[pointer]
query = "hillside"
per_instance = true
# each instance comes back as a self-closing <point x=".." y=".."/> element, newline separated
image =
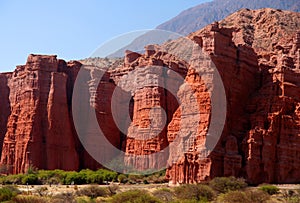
<point x="199" y="16"/>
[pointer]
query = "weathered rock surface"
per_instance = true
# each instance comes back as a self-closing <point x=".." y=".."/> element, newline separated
<point x="238" y="69"/>
<point x="270" y="145"/>
<point x="256" y="53"/>
<point x="4" y="106"/>
<point x="39" y="129"/>
<point x="259" y="65"/>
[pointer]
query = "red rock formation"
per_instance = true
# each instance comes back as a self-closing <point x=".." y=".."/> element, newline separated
<point x="147" y="133"/>
<point x="36" y="116"/>
<point x="258" y="67"/>
<point x="239" y="74"/>
<point x="270" y="144"/>
<point x="71" y="69"/>
<point x="244" y="49"/>
<point x="4" y="106"/>
<point x="257" y="54"/>
<point x="38" y="130"/>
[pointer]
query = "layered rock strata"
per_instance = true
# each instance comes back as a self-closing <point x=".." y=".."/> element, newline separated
<point x="255" y="53"/>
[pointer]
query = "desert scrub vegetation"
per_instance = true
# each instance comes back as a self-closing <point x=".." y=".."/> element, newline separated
<point x="93" y="191"/>
<point x="164" y="194"/>
<point x="155" y="178"/>
<point x="101" y="176"/>
<point x="218" y="190"/>
<point x="29" y="199"/>
<point x="134" y="196"/>
<point x="226" y="184"/>
<point x="195" y="193"/>
<point x="270" y="189"/>
<point x="239" y="196"/>
<point x="8" y="192"/>
<point x="202" y="193"/>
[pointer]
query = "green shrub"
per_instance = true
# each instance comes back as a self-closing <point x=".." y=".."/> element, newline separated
<point x="234" y="197"/>
<point x="225" y="184"/>
<point x="270" y="189"/>
<point x="161" y="173"/>
<point x="58" y="176"/>
<point x="29" y="199"/>
<point x="257" y="196"/>
<point x="249" y="196"/>
<point x="59" y="173"/>
<point x="134" y="196"/>
<point x="94" y="178"/>
<point x="122" y="178"/>
<point x="52" y="176"/>
<point x="31" y="179"/>
<point x="84" y="200"/>
<point x="74" y="178"/>
<point x="7" y="193"/>
<point x="164" y="194"/>
<point x="135" y="178"/>
<point x="156" y="178"/>
<point x="195" y="192"/>
<point x="32" y="170"/>
<point x="43" y="176"/>
<point x="108" y="175"/>
<point x="93" y="191"/>
<point x="12" y="179"/>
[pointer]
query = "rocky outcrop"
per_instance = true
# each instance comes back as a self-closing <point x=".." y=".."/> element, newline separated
<point x="4" y="105"/>
<point x="256" y="62"/>
<point x="152" y="106"/>
<point x="238" y="68"/>
<point x="39" y="128"/>
<point x="270" y="146"/>
<point x="144" y="110"/>
<point x="258" y="65"/>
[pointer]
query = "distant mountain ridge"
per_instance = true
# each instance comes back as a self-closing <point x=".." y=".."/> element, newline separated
<point x="199" y="16"/>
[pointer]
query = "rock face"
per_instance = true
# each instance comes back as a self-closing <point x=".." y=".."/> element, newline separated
<point x="4" y="105"/>
<point x="238" y="68"/>
<point x="36" y="105"/>
<point x="257" y="55"/>
<point x="270" y="144"/>
<point x="259" y="65"/>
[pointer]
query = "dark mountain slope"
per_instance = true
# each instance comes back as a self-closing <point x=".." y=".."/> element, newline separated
<point x="199" y="16"/>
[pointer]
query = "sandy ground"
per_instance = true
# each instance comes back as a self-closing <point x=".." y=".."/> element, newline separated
<point x="58" y="189"/>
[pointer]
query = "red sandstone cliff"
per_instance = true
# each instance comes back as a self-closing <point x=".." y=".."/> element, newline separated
<point x="36" y="105"/>
<point x="259" y="65"/>
<point x="270" y="146"/>
<point x="257" y="54"/>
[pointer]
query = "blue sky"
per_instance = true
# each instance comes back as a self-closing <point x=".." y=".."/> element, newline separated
<point x="74" y="29"/>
